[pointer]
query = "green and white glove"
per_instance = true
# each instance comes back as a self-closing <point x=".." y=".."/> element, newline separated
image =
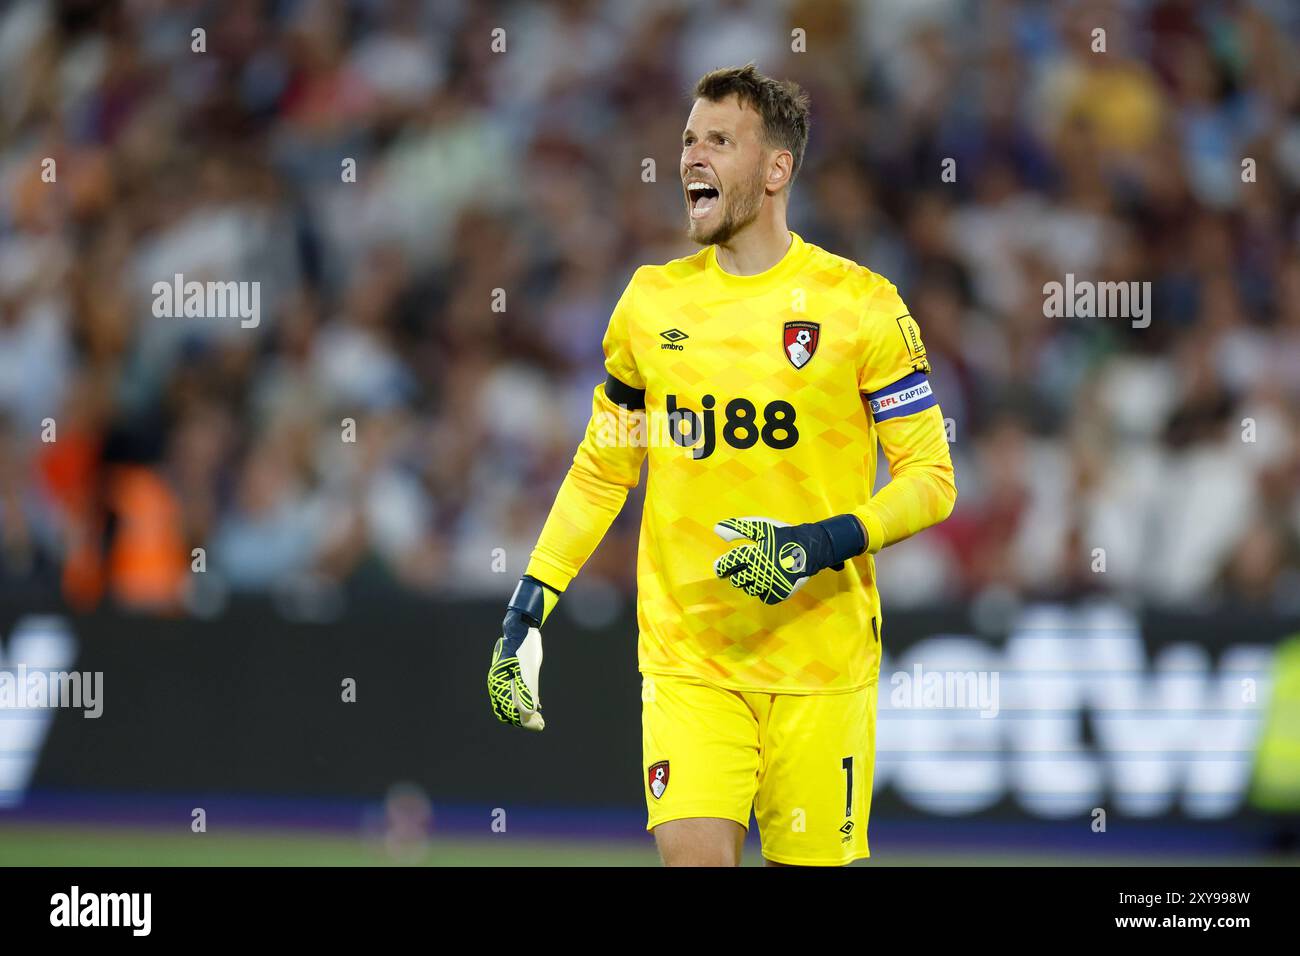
<point x="517" y="657"/>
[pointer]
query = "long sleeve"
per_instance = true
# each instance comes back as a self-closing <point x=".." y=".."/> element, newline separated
<point x="607" y="465"/>
<point x="921" y="491"/>
<point x="894" y="377"/>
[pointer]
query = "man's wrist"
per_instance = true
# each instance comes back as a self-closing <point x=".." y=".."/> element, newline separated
<point x="847" y="535"/>
<point x="873" y="529"/>
<point x="533" y="599"/>
<point x="866" y="535"/>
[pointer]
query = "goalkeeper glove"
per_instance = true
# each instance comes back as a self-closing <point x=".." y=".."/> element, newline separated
<point x="782" y="557"/>
<point x="517" y="657"/>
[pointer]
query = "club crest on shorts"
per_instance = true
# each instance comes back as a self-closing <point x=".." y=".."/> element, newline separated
<point x="658" y="775"/>
<point x="800" y="342"/>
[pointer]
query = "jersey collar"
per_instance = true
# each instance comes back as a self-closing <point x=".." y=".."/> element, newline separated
<point x="782" y="270"/>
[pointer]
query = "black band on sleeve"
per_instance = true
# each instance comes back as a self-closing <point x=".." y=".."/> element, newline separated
<point x="633" y="399"/>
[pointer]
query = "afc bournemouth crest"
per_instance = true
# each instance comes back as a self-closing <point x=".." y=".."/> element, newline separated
<point x="659" y="778"/>
<point x="801" y="342"/>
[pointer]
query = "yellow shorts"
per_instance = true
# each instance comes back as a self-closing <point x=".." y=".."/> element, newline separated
<point x="804" y="762"/>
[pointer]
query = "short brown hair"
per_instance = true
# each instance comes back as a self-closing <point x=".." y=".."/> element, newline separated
<point x="781" y="103"/>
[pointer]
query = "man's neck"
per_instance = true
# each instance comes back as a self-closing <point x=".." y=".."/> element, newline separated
<point x="756" y="248"/>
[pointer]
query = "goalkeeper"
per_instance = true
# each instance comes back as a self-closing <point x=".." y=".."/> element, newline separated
<point x="758" y="377"/>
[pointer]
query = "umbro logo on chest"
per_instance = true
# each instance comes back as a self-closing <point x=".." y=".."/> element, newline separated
<point x="798" y="341"/>
<point x="673" y="337"/>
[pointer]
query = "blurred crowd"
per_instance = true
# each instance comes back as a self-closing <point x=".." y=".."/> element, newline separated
<point x="442" y="200"/>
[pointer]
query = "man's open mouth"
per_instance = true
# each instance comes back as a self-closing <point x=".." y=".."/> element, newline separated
<point x="702" y="198"/>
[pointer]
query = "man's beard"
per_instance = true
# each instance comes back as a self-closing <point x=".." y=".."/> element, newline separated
<point x="740" y="212"/>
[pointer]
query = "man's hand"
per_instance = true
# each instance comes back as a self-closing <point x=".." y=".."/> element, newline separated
<point x="517" y="657"/>
<point x="782" y="557"/>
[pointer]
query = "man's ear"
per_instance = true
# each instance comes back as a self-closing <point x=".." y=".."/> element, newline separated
<point x="778" y="172"/>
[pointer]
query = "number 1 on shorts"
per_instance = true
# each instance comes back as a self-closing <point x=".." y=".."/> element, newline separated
<point x="847" y="764"/>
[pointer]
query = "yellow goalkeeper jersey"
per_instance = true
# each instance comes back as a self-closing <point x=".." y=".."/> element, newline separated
<point x="763" y="396"/>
